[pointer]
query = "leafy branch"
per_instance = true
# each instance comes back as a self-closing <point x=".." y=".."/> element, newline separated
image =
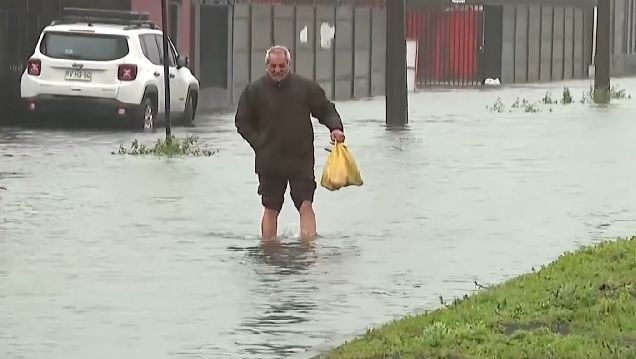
<point x="170" y="147"/>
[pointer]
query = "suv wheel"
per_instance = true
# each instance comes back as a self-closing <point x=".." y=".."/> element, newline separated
<point x="148" y="114"/>
<point x="188" y="113"/>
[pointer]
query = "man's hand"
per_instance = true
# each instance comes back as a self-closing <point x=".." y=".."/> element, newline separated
<point x="337" y="136"/>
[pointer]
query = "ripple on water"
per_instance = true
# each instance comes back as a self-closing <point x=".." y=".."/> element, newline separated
<point x="161" y="258"/>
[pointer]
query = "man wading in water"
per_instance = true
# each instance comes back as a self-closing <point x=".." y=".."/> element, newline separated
<point x="274" y="117"/>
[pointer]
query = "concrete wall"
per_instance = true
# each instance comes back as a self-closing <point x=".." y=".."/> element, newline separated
<point x="342" y="48"/>
<point x="579" y="43"/>
<point x="362" y="52"/>
<point x="349" y="65"/>
<point x="534" y="43"/>
<point x="545" y="66"/>
<point x="378" y="52"/>
<point x="558" y="29"/>
<point x="566" y="41"/>
<point x="305" y="45"/>
<point x="543" y="43"/>
<point x="623" y="45"/>
<point x="508" y="45"/>
<point x="284" y="28"/>
<point x="241" y="65"/>
<point x="260" y="36"/>
<point x="324" y="53"/>
<point x="521" y="44"/>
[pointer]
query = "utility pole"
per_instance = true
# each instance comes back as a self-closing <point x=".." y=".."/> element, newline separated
<point x="395" y="80"/>
<point x="166" y="68"/>
<point x="602" y="55"/>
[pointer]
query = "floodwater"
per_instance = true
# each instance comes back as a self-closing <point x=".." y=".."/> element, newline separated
<point x="106" y="256"/>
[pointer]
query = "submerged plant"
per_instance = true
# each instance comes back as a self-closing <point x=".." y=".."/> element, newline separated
<point x="567" y="96"/>
<point x="531" y="107"/>
<point x="547" y="99"/>
<point x="498" y="106"/>
<point x="617" y="94"/>
<point x="585" y="98"/>
<point x="516" y="104"/>
<point x="170" y="147"/>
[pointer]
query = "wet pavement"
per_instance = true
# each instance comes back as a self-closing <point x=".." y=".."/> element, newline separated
<point x="106" y="256"/>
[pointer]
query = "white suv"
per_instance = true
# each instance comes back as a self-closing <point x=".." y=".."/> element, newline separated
<point x="102" y="62"/>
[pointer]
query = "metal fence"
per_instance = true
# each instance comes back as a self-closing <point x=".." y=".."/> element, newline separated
<point x="450" y="42"/>
<point x="517" y="41"/>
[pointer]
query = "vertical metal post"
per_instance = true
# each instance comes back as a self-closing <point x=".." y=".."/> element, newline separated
<point x="552" y="45"/>
<point x="353" y="51"/>
<point x="334" y="48"/>
<point x="315" y="39"/>
<point x="396" y="89"/>
<point x="370" y="63"/>
<point x="602" y="56"/>
<point x="166" y="68"/>
<point x="294" y="43"/>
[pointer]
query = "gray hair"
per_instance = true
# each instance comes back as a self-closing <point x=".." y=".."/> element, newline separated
<point x="278" y="48"/>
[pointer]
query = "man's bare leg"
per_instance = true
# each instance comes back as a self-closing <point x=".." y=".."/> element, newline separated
<point x="269" y="224"/>
<point x="307" y="220"/>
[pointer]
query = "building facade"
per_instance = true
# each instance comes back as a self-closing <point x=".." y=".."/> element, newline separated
<point x="226" y="42"/>
<point x="517" y="41"/>
<point x="514" y="41"/>
<point x="230" y="40"/>
<point x="342" y="43"/>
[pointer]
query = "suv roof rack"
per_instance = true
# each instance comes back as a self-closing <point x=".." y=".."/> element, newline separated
<point x="132" y="19"/>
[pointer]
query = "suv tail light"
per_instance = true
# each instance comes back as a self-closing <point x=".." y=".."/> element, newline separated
<point x="34" y="67"/>
<point x="127" y="72"/>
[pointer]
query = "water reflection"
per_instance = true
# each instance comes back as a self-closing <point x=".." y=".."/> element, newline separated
<point x="290" y="258"/>
<point x="283" y="293"/>
<point x="397" y="128"/>
<point x="8" y="136"/>
<point x="285" y="258"/>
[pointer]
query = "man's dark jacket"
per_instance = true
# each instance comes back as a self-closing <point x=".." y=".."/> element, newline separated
<point x="275" y="119"/>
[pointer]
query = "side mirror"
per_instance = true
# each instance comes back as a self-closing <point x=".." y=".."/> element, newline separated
<point x="182" y="61"/>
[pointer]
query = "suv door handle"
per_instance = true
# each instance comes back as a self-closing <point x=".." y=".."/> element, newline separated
<point x="157" y="74"/>
<point x="171" y="76"/>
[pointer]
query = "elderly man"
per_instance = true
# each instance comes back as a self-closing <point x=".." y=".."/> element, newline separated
<point x="274" y="117"/>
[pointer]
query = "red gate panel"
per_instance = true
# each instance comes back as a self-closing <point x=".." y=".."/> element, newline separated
<point x="449" y="41"/>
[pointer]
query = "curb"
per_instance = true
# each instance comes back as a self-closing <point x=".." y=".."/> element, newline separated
<point x="320" y="350"/>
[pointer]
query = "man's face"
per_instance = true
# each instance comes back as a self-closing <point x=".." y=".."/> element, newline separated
<point x="277" y="67"/>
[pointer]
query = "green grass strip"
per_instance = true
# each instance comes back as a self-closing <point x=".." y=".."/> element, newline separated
<point x="583" y="305"/>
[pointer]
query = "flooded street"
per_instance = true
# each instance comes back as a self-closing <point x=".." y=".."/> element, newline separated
<point x="107" y="256"/>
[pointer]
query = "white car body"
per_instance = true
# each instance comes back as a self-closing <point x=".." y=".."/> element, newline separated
<point x="106" y="69"/>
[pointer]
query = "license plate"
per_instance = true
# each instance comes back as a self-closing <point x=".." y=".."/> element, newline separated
<point x="78" y="75"/>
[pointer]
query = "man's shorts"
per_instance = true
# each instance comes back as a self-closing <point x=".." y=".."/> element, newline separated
<point x="272" y="190"/>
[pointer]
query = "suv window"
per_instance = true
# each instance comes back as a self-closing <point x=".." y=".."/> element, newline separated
<point x="171" y="60"/>
<point x="150" y="49"/>
<point x="81" y="46"/>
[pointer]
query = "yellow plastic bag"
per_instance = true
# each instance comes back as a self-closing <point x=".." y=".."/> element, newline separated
<point x="340" y="169"/>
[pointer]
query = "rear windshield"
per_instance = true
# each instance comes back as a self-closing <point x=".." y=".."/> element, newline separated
<point x="79" y="46"/>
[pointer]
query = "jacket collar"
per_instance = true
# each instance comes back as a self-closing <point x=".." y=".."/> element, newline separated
<point x="283" y="83"/>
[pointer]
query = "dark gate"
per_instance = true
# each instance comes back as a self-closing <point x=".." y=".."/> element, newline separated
<point x="491" y="55"/>
<point x="213" y="69"/>
<point x="19" y="31"/>
<point x="450" y="43"/>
